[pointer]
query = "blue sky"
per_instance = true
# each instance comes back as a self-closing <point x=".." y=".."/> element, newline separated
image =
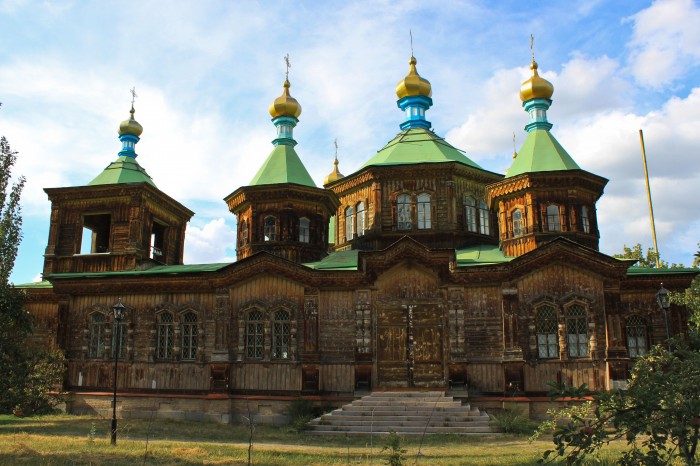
<point x="206" y="71"/>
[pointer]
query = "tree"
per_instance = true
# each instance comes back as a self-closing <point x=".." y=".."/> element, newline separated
<point x="658" y="414"/>
<point x="26" y="375"/>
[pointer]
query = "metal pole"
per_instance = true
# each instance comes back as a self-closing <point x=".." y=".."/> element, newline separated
<point x="114" y="400"/>
<point x="668" y="331"/>
<point x="651" y="208"/>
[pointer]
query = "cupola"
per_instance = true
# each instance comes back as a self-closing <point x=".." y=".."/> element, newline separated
<point x="414" y="93"/>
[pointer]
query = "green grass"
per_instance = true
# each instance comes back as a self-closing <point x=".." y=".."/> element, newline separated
<point x="67" y="440"/>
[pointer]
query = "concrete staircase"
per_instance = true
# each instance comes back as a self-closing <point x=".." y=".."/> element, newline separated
<point x="406" y="413"/>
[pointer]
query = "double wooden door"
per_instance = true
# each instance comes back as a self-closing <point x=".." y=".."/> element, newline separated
<point x="410" y="346"/>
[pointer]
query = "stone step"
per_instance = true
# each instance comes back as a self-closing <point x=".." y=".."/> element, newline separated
<point x="407" y="429"/>
<point x="408" y="394"/>
<point x="427" y="404"/>
<point x="386" y="432"/>
<point x="384" y="410"/>
<point x="461" y="416"/>
<point x="396" y="423"/>
<point x="407" y="413"/>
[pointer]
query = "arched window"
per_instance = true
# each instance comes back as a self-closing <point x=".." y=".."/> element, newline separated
<point x="484" y="221"/>
<point x="244" y="232"/>
<point x="119" y="332"/>
<point x="577" y="331"/>
<point x="270" y="226"/>
<point x="423" y="211"/>
<point x="546" y="326"/>
<point x="164" y="348"/>
<point x="470" y="214"/>
<point x="304" y="230"/>
<point x="360" y="209"/>
<point x="254" y="335"/>
<point x="553" y="219"/>
<point x="403" y="212"/>
<point x="96" y="348"/>
<point x="189" y="335"/>
<point x="280" y="335"/>
<point x="636" y="336"/>
<point x="517" y="223"/>
<point x="349" y="223"/>
<point x="585" y="222"/>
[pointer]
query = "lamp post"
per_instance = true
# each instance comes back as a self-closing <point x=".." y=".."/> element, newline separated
<point x="665" y="304"/>
<point x="119" y="310"/>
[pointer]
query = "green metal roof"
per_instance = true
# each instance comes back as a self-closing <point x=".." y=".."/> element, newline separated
<point x="158" y="269"/>
<point x="340" y="260"/>
<point x="637" y="270"/>
<point x="481" y="254"/>
<point x="283" y="166"/>
<point x="123" y="170"/>
<point x="541" y="152"/>
<point x="418" y="145"/>
<point x="36" y="285"/>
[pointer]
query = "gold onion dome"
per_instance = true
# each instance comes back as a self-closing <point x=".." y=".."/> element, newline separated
<point x="535" y="87"/>
<point x="413" y="83"/>
<point x="335" y="175"/>
<point x="130" y="126"/>
<point x="285" y="105"/>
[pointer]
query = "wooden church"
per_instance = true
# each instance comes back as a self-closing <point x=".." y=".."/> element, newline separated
<point x="421" y="270"/>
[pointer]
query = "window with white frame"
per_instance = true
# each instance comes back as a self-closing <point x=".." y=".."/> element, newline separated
<point x="189" y="335"/>
<point x="304" y="235"/>
<point x="119" y="333"/>
<point x="470" y="214"/>
<point x="585" y="221"/>
<point x="360" y="214"/>
<point x="484" y="219"/>
<point x="423" y="211"/>
<point x="96" y="346"/>
<point x="254" y="335"/>
<point x="636" y="336"/>
<point x="577" y="331"/>
<point x="270" y="225"/>
<point x="547" y="338"/>
<point x="403" y="212"/>
<point x="349" y="223"/>
<point x="517" y="219"/>
<point x="553" y="218"/>
<point x="164" y="345"/>
<point x="280" y="335"/>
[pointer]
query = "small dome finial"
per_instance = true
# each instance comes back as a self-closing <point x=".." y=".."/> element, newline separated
<point x="131" y="126"/>
<point x="285" y="105"/>
<point x="335" y="175"/>
<point x="535" y="87"/>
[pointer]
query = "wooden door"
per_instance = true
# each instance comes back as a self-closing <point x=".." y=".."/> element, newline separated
<point x="397" y="329"/>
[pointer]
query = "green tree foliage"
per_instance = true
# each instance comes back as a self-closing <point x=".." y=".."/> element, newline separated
<point x="644" y="260"/>
<point x="26" y="376"/>
<point x="658" y="415"/>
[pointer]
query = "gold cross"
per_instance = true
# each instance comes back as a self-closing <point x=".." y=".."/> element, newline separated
<point x="133" y="95"/>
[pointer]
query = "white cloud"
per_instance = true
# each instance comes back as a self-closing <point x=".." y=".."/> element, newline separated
<point x="211" y="243"/>
<point x="665" y="42"/>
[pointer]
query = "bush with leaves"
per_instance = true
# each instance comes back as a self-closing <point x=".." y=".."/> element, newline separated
<point x="27" y="375"/>
<point x="513" y="421"/>
<point x="397" y="454"/>
<point x="658" y="414"/>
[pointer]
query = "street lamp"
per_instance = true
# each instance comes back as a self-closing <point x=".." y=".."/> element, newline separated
<point x="119" y="310"/>
<point x="665" y="304"/>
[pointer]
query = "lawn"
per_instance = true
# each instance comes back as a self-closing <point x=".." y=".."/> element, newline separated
<point x="84" y="440"/>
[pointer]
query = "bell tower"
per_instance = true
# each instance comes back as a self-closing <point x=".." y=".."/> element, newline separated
<point x="119" y="221"/>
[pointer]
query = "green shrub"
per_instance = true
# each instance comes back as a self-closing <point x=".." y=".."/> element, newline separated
<point x="300" y="412"/>
<point x="512" y="421"/>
